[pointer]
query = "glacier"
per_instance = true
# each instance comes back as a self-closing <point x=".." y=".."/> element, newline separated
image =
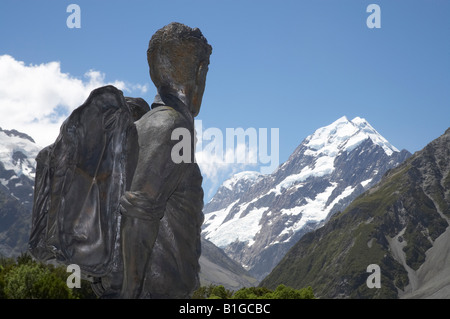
<point x="255" y="218"/>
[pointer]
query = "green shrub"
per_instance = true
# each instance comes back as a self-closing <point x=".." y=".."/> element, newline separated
<point x="28" y="279"/>
<point x="281" y="292"/>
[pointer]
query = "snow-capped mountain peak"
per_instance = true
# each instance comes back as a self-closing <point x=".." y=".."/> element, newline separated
<point x="18" y="152"/>
<point x="345" y="135"/>
<point x="250" y="176"/>
<point x="256" y="218"/>
<point x="17" y="165"/>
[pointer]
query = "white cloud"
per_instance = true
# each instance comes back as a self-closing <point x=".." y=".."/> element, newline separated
<point x="36" y="99"/>
<point x="218" y="167"/>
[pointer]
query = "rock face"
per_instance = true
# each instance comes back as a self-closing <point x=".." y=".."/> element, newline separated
<point x="256" y="218"/>
<point x="401" y="225"/>
<point x="217" y="268"/>
<point x="17" y="164"/>
<point x="17" y="170"/>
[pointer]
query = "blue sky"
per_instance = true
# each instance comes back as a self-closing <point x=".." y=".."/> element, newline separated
<point x="292" y="65"/>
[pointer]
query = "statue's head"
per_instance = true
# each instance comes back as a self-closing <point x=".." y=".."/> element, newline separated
<point x="178" y="57"/>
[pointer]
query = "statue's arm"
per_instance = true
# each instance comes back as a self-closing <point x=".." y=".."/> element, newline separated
<point x="156" y="175"/>
<point x="155" y="179"/>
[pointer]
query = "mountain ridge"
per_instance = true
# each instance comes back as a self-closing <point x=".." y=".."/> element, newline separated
<point x="216" y="268"/>
<point x="400" y="224"/>
<point x="17" y="169"/>
<point x="258" y="222"/>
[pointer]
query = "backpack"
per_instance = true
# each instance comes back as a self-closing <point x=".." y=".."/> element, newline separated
<point x="79" y="182"/>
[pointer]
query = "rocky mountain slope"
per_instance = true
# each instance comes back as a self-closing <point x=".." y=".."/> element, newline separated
<point x="256" y="218"/>
<point x="401" y="225"/>
<point x="17" y="168"/>
<point x="219" y="269"/>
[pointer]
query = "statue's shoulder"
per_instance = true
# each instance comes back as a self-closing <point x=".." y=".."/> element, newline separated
<point x="161" y="119"/>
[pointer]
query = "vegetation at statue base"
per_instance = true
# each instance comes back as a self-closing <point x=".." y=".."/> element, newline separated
<point x="281" y="292"/>
<point x="25" y="278"/>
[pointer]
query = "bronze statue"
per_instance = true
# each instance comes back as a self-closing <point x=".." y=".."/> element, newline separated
<point x="116" y="203"/>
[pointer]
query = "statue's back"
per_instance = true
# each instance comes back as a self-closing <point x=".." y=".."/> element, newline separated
<point x="79" y="181"/>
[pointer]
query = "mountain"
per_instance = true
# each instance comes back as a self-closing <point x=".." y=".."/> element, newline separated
<point x="401" y="225"/>
<point x="217" y="268"/>
<point x="17" y="169"/>
<point x="256" y="218"/>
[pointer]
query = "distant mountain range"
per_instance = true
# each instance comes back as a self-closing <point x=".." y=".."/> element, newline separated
<point x="344" y="199"/>
<point x="401" y="225"/>
<point x="257" y="218"/>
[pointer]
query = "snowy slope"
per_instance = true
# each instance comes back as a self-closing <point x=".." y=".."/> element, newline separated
<point x="17" y="163"/>
<point x="12" y="143"/>
<point x="235" y="182"/>
<point x="17" y="171"/>
<point x="330" y="141"/>
<point x="345" y="135"/>
<point x="255" y="218"/>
